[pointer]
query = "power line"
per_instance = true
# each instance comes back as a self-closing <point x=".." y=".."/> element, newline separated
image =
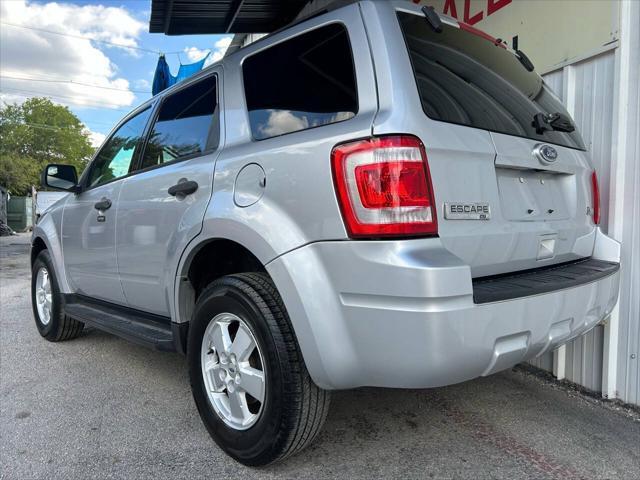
<point x="121" y="45"/>
<point x="47" y="127"/>
<point x="72" y="82"/>
<point x="60" y="95"/>
<point x="79" y="101"/>
<point x="31" y="93"/>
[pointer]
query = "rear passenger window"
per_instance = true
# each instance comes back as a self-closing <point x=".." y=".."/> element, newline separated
<point x="183" y="124"/>
<point x="302" y="83"/>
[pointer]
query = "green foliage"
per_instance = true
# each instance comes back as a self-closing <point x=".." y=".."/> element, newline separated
<point x="18" y="173"/>
<point x="34" y="134"/>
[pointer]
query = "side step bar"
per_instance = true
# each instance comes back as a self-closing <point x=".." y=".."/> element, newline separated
<point x="139" y="327"/>
<point x="541" y="280"/>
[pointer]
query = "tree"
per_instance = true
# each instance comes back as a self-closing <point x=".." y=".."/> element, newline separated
<point x="36" y="133"/>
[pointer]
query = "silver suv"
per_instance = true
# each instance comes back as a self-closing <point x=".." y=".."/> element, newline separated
<point x="377" y="195"/>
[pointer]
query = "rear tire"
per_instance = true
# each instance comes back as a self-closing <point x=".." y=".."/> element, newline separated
<point x="46" y="301"/>
<point x="293" y="408"/>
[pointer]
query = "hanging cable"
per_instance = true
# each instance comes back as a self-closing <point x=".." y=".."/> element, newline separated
<point x="78" y="100"/>
<point x="49" y="127"/>
<point x="71" y="82"/>
<point x="121" y="45"/>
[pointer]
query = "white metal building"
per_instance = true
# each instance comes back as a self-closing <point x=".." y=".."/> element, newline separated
<point x="589" y="53"/>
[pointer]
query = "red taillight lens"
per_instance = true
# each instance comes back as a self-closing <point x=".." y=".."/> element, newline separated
<point x="392" y="184"/>
<point x="384" y="188"/>
<point x="595" y="192"/>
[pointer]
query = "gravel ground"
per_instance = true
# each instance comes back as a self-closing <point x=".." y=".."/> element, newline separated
<point x="99" y="407"/>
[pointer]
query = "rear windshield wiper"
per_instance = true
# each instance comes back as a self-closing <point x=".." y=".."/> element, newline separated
<point x="433" y="18"/>
<point x="559" y="122"/>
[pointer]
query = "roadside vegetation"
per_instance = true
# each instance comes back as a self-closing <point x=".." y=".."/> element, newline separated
<point x="35" y="133"/>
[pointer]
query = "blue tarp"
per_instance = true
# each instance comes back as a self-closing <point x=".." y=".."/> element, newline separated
<point x="163" y="79"/>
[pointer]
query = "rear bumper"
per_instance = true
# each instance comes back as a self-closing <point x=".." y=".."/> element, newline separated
<point x="541" y="280"/>
<point x="401" y="314"/>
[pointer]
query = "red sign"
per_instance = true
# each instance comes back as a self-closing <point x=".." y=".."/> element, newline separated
<point x="469" y="16"/>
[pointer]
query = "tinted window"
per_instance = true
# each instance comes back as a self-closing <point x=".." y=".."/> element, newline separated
<point x="116" y="157"/>
<point x="302" y="83"/>
<point x="465" y="79"/>
<point x="183" y="124"/>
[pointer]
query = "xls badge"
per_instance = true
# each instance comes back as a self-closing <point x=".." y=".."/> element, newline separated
<point x="467" y="211"/>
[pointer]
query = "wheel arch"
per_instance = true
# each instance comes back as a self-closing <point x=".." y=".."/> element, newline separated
<point x="206" y="261"/>
<point x="46" y="235"/>
<point x="37" y="245"/>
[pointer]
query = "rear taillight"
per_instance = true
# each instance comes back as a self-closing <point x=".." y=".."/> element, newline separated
<point x="595" y="192"/>
<point x="384" y="188"/>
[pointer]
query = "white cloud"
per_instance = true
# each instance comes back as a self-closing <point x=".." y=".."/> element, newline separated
<point x="283" y="121"/>
<point x="33" y="54"/>
<point x="223" y="44"/>
<point x="217" y="53"/>
<point x="280" y="122"/>
<point x="96" y="138"/>
<point x="194" y="54"/>
<point x="142" y="84"/>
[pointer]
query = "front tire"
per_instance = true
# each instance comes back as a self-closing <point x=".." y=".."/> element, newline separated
<point x="247" y="374"/>
<point x="46" y="301"/>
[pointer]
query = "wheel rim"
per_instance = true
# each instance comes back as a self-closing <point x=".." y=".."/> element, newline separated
<point x="233" y="371"/>
<point x="43" y="295"/>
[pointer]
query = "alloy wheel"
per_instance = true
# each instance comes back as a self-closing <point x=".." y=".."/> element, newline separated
<point x="43" y="295"/>
<point x="233" y="371"/>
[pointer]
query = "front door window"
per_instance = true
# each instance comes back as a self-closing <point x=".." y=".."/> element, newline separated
<point x="115" y="159"/>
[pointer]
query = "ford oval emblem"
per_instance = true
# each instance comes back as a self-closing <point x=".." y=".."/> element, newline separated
<point x="546" y="153"/>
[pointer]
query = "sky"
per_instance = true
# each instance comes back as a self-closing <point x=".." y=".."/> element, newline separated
<point x="63" y="50"/>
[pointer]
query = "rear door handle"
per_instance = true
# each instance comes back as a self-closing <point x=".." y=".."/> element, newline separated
<point x="104" y="204"/>
<point x="183" y="187"/>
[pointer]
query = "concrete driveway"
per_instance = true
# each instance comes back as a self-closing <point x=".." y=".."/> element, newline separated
<point x="99" y="407"/>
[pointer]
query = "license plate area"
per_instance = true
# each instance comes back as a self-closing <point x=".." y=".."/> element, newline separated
<point x="530" y="195"/>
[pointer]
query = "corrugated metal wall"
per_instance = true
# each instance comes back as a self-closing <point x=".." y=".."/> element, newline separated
<point x="627" y="219"/>
<point x="589" y="94"/>
<point x="629" y="323"/>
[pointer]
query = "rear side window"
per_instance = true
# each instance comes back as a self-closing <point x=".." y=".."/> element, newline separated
<point x="465" y="79"/>
<point x="183" y="124"/>
<point x="302" y="83"/>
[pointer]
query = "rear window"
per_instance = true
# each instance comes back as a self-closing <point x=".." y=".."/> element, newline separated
<point x="467" y="80"/>
<point x="302" y="83"/>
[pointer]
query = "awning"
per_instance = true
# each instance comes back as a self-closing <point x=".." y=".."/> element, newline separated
<point x="184" y="17"/>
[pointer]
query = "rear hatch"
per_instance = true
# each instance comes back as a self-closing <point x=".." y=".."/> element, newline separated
<point x="510" y="196"/>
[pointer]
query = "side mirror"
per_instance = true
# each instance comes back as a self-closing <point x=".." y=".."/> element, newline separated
<point x="60" y="177"/>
